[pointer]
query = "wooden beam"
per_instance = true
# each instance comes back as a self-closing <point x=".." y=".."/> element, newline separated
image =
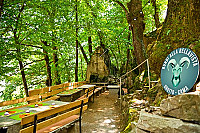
<point x="55" y="87"/>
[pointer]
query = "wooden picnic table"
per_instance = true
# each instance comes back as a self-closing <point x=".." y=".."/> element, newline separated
<point x="70" y="95"/>
<point x="13" y="121"/>
<point x="113" y="86"/>
<point x="84" y="87"/>
<point x="100" y="83"/>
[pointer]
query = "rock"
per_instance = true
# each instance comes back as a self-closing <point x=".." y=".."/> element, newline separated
<point x="149" y="122"/>
<point x="97" y="70"/>
<point x="140" y="131"/>
<point x="185" y="107"/>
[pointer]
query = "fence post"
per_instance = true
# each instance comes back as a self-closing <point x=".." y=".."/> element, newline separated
<point x="148" y="73"/>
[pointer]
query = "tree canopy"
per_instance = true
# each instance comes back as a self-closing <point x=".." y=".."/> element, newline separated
<point x="40" y="38"/>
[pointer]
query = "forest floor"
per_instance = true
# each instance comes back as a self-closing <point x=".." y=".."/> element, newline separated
<point x="104" y="115"/>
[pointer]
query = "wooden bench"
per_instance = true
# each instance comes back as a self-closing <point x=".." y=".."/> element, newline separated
<point x="55" y="122"/>
<point x="88" y="93"/>
<point x="29" y="100"/>
<point x="43" y="94"/>
<point x="50" y="92"/>
<point x="91" y="92"/>
<point x="99" y="90"/>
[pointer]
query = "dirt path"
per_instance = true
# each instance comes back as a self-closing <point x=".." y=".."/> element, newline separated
<point x="103" y="116"/>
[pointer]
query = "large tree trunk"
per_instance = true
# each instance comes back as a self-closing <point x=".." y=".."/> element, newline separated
<point x="21" y="66"/>
<point x="19" y="58"/>
<point x="128" y="52"/>
<point x="76" y="68"/>
<point x="156" y="14"/>
<point x="23" y="77"/>
<point x="181" y="29"/>
<point x="101" y="39"/>
<point x="48" y="67"/>
<point x="1" y="7"/>
<point x="55" y="61"/>
<point x="135" y="20"/>
<point x="90" y="45"/>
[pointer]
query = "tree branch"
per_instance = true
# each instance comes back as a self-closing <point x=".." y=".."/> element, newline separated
<point x="32" y="46"/>
<point x="156" y="14"/>
<point x="123" y="7"/>
<point x="19" y="15"/>
<point x="33" y="62"/>
<point x="91" y="9"/>
<point x="83" y="52"/>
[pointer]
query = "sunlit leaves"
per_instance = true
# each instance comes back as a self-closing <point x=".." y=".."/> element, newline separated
<point x="148" y="11"/>
<point x="54" y="22"/>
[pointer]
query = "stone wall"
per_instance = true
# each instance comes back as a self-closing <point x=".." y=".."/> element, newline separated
<point x="177" y="114"/>
<point x="185" y="107"/>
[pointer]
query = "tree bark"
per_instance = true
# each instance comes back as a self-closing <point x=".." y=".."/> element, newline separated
<point x="136" y="23"/>
<point x="84" y="54"/>
<point x="181" y="28"/>
<point x="1" y="7"/>
<point x="101" y="40"/>
<point x="48" y="67"/>
<point x="135" y="18"/>
<point x="128" y="52"/>
<point x="23" y="77"/>
<point x="18" y="45"/>
<point x="81" y="68"/>
<point x="127" y="56"/>
<point x="55" y="61"/>
<point x="76" y="68"/>
<point x="90" y="45"/>
<point x="21" y="66"/>
<point x="156" y="14"/>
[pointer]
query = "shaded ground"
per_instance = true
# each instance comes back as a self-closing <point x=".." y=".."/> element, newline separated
<point x="103" y="116"/>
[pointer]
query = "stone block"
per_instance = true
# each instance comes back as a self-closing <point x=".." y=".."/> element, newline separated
<point x="185" y="107"/>
<point x="149" y="122"/>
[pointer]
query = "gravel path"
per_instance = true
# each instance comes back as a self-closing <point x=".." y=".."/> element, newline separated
<point x="103" y="116"/>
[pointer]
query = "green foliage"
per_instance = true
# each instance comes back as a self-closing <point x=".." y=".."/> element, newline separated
<point x="7" y="94"/>
<point x="148" y="11"/>
<point x="25" y="24"/>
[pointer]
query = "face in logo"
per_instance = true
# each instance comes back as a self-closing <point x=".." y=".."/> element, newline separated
<point x="179" y="71"/>
<point x="177" y="68"/>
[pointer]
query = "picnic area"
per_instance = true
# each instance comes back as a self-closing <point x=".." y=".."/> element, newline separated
<point x="99" y="66"/>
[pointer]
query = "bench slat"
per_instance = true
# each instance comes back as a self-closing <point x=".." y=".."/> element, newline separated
<point x="38" y="91"/>
<point x="34" y="92"/>
<point x="6" y="103"/>
<point x="56" y="87"/>
<point x="49" y="112"/>
<point x="12" y="102"/>
<point x="60" y="124"/>
<point x="65" y="84"/>
<point x="53" y="120"/>
<point x="90" y="89"/>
